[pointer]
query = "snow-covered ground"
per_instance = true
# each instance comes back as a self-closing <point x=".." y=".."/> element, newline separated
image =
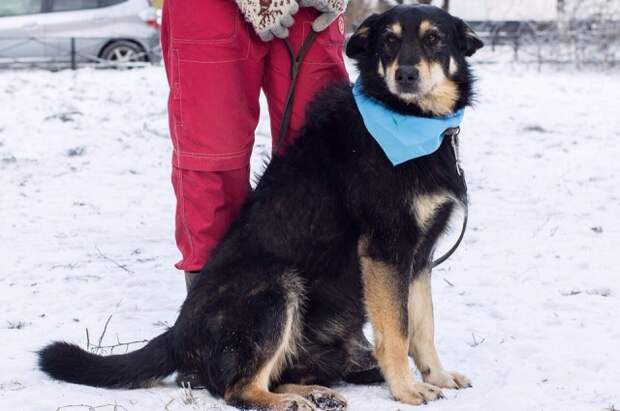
<point x="528" y="308"/>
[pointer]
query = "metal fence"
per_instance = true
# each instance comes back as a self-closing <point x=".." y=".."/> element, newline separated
<point x="74" y="52"/>
<point x="579" y="33"/>
<point x="578" y="42"/>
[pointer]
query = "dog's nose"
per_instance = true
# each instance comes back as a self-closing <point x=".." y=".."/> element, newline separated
<point x="407" y="76"/>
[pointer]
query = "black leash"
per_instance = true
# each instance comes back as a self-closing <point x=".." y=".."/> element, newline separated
<point x="453" y="134"/>
<point x="456" y="245"/>
<point x="296" y="60"/>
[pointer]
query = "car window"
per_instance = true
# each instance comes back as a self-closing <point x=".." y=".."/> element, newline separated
<point x="106" y="3"/>
<point x="68" y="5"/>
<point x="19" y="7"/>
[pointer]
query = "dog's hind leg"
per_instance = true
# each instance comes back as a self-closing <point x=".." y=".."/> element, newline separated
<point x="253" y="391"/>
<point x="322" y="397"/>
<point x="256" y="396"/>
<point x="422" y="342"/>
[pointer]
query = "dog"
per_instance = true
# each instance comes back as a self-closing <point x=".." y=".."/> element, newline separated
<point x="333" y="236"/>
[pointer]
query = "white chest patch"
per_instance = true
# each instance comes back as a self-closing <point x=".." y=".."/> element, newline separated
<point x="425" y="206"/>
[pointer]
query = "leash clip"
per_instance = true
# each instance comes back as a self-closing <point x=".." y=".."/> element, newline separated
<point x="454" y="139"/>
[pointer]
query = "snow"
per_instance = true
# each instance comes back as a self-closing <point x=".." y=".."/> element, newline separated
<point x="527" y="308"/>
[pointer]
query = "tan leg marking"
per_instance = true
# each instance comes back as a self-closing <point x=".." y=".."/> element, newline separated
<point x="422" y="332"/>
<point x="323" y="397"/>
<point x="391" y="345"/>
<point x="256" y="391"/>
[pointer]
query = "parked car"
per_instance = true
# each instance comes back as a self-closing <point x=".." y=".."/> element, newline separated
<point x="59" y="32"/>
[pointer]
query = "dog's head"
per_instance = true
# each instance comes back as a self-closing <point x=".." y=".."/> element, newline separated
<point x="413" y="58"/>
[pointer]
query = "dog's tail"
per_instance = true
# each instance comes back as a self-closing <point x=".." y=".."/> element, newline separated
<point x="138" y="369"/>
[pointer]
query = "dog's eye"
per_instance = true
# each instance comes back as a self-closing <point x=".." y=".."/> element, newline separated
<point x="391" y="38"/>
<point x="432" y="39"/>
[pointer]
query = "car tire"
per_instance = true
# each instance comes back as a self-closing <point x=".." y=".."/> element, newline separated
<point x="124" y="52"/>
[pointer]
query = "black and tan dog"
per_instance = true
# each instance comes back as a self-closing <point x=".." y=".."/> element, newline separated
<point x="333" y="235"/>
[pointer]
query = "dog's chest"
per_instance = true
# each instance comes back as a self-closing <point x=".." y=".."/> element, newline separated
<point x="425" y="207"/>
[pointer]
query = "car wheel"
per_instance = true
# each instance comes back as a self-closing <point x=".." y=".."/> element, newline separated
<point x="124" y="52"/>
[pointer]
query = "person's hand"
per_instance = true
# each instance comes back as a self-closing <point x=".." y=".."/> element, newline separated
<point x="331" y="9"/>
<point x="269" y="17"/>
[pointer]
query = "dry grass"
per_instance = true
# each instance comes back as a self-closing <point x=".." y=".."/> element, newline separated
<point x="86" y="407"/>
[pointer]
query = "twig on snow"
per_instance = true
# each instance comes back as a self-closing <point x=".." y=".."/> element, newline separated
<point x="475" y="341"/>
<point x="449" y="283"/>
<point x="187" y="394"/>
<point x="120" y="344"/>
<point x="115" y="407"/>
<point x="168" y="404"/>
<point x="70" y="266"/>
<point x="98" y="348"/>
<point x="105" y="329"/>
<point x="116" y="263"/>
<point x="16" y="325"/>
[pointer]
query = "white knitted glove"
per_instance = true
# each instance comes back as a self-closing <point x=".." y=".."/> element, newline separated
<point x="269" y="17"/>
<point x="331" y="9"/>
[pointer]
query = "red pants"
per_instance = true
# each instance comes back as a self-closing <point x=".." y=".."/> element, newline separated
<point x="216" y="67"/>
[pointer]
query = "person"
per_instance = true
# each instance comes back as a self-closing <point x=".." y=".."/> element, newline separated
<point x="218" y="55"/>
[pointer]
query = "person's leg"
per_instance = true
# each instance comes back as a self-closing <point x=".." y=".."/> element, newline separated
<point x="322" y="64"/>
<point x="214" y="64"/>
<point x="207" y="202"/>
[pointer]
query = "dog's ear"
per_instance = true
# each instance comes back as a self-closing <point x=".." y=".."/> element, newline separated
<point x="359" y="42"/>
<point x="469" y="42"/>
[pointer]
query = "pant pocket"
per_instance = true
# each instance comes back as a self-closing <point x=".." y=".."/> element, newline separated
<point x="213" y="123"/>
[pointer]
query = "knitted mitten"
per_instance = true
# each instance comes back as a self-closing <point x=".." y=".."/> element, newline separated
<point x="269" y="17"/>
<point x="331" y="9"/>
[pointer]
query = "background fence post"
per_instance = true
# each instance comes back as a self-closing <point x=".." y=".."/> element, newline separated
<point x="73" y="55"/>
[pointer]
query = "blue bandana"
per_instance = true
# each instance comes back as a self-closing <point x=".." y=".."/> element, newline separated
<point x="403" y="137"/>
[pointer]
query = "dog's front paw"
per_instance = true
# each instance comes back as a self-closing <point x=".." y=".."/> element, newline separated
<point x="446" y="379"/>
<point x="418" y="393"/>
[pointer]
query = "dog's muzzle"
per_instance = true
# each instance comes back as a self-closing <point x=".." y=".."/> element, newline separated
<point x="407" y="78"/>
